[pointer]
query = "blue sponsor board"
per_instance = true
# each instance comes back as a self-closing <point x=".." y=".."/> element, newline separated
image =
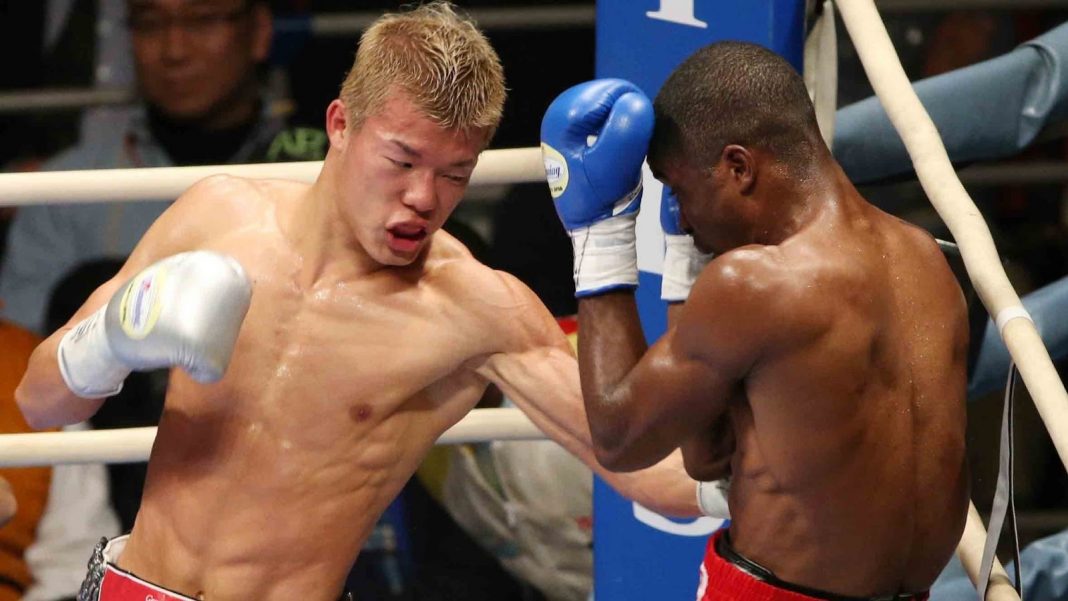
<point x="639" y="554"/>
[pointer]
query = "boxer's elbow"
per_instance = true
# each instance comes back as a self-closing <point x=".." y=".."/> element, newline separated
<point x="36" y="411"/>
<point x="46" y="413"/>
<point x="44" y="399"/>
<point x="708" y="468"/>
<point x="618" y="454"/>
<point x="27" y="401"/>
<point x="607" y="457"/>
<point x="710" y="472"/>
<point x="616" y="462"/>
<point x="619" y="443"/>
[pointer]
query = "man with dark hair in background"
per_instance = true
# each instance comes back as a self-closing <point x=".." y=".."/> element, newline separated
<point x="197" y="66"/>
<point x="197" y="72"/>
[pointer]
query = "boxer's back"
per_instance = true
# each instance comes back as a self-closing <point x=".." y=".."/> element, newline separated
<point x="850" y="472"/>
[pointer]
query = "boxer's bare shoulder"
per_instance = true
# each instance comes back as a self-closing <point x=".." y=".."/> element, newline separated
<point x="751" y="297"/>
<point x="209" y="208"/>
<point x="225" y="201"/>
<point x="469" y="281"/>
<point x="502" y="312"/>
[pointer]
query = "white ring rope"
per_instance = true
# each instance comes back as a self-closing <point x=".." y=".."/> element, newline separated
<point x="130" y="445"/>
<point x="502" y="166"/>
<point x="972" y="235"/>
<point x="516" y="165"/>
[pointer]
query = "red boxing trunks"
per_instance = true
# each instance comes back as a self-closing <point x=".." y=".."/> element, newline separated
<point x="728" y="576"/>
<point x="106" y="582"/>
<point x="124" y="586"/>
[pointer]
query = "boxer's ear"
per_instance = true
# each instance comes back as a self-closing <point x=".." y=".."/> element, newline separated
<point x="337" y="122"/>
<point x="741" y="167"/>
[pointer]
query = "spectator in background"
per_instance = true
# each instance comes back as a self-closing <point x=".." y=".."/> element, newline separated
<point x="60" y="44"/>
<point x="197" y="67"/>
<point x="197" y="70"/>
<point x="24" y="488"/>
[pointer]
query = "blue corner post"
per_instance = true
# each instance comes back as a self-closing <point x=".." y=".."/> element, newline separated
<point x="637" y="553"/>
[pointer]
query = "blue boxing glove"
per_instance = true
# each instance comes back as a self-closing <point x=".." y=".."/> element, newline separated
<point x="594" y="137"/>
<point x="682" y="261"/>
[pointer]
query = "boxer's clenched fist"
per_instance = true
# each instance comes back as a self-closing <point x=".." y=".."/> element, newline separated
<point x="183" y="311"/>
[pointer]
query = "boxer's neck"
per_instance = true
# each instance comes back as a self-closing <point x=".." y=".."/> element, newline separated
<point x="322" y="236"/>
<point x="791" y="202"/>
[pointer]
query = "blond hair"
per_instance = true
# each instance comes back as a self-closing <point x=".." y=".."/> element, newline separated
<point x="436" y="56"/>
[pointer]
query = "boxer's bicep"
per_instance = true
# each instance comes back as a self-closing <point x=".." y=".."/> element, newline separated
<point x="667" y="397"/>
<point x="684" y="381"/>
<point x="543" y="382"/>
<point x="526" y="355"/>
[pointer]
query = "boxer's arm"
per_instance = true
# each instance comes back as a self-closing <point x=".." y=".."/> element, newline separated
<point x="536" y="369"/>
<point x="43" y="395"/>
<point x="708" y="454"/>
<point x="643" y="403"/>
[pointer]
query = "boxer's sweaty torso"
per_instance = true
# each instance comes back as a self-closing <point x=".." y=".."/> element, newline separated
<point x="849" y="474"/>
<point x="265" y="485"/>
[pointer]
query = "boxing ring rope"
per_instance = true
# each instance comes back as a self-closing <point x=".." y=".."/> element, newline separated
<point x="972" y="235"/>
<point x="130" y="445"/>
<point x="503" y="166"/>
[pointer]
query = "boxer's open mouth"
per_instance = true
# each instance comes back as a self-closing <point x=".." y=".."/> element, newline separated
<point x="406" y="237"/>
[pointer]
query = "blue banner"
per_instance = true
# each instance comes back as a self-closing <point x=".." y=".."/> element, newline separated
<point x="637" y="553"/>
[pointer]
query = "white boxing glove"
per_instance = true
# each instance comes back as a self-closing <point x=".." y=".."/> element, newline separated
<point x="712" y="498"/>
<point x="185" y="311"/>
<point x="682" y="261"/>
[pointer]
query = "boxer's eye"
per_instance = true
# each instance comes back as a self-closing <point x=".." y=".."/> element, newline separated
<point x="400" y="164"/>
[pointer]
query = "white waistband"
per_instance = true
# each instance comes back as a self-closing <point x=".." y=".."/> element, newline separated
<point x="114" y="548"/>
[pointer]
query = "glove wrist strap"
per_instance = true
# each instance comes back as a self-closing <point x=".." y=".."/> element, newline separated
<point x="605" y="256"/>
<point x="682" y="264"/>
<point x="712" y="498"/>
<point x="86" y="362"/>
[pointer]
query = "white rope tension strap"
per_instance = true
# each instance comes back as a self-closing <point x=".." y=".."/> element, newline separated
<point x="131" y="445"/>
<point x="504" y="166"/>
<point x="970" y="552"/>
<point x="960" y="214"/>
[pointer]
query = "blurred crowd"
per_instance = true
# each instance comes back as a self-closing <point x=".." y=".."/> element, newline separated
<point x="240" y="81"/>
